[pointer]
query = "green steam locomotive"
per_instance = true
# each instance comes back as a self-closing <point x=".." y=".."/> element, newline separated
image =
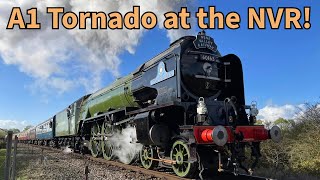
<point x="186" y="106"/>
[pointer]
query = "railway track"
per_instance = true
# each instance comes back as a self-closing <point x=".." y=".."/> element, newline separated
<point x="164" y="175"/>
<point x="152" y="173"/>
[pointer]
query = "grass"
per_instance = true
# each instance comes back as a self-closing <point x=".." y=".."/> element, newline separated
<point x="2" y="159"/>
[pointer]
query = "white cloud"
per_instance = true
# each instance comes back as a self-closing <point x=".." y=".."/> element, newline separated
<point x="273" y="112"/>
<point x="9" y="124"/>
<point x="60" y="60"/>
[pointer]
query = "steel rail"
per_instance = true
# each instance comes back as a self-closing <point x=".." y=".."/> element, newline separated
<point x="137" y="169"/>
<point x="153" y="173"/>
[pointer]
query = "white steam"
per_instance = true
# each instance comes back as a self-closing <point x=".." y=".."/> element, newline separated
<point x="61" y="60"/>
<point x="125" y="146"/>
<point x="67" y="150"/>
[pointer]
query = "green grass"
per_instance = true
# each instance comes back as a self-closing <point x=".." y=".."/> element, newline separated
<point x="2" y="159"/>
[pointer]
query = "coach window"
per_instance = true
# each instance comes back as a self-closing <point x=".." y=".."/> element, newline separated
<point x="50" y="124"/>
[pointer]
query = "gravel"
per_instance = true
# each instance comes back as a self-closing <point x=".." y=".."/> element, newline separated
<point x="34" y="164"/>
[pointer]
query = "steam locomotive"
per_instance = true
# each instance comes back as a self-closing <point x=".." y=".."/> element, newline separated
<point x="187" y="107"/>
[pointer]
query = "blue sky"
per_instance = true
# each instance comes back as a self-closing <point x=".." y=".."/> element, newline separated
<point x="281" y="67"/>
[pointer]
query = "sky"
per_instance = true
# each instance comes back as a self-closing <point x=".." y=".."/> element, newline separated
<point x="43" y="71"/>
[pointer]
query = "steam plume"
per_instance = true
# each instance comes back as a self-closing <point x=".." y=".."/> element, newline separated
<point x="67" y="150"/>
<point x="125" y="145"/>
<point x="60" y="60"/>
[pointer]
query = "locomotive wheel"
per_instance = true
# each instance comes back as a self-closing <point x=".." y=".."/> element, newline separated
<point x="107" y="147"/>
<point x="146" y="153"/>
<point x="95" y="145"/>
<point x="180" y="153"/>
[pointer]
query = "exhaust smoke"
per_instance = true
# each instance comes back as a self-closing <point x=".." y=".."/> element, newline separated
<point x="67" y="150"/>
<point x="125" y="146"/>
<point x="62" y="60"/>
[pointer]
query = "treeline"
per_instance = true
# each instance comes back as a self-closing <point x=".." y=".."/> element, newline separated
<point x="3" y="132"/>
<point x="299" y="151"/>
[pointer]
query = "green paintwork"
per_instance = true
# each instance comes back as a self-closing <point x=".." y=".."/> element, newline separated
<point x="112" y="97"/>
<point x="146" y="153"/>
<point x="62" y="124"/>
<point x="65" y="126"/>
<point x="180" y="153"/>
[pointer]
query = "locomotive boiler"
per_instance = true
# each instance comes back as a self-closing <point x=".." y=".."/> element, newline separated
<point x="187" y="106"/>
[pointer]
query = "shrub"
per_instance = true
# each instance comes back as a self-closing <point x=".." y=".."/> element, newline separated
<point x="299" y="150"/>
<point x="2" y="145"/>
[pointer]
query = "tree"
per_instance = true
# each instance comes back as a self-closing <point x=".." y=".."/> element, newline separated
<point x="305" y="147"/>
<point x="298" y="152"/>
<point x="267" y="124"/>
<point x="27" y="127"/>
<point x="14" y="130"/>
<point x="281" y="121"/>
<point x="2" y="133"/>
<point x="284" y="124"/>
<point x="259" y="122"/>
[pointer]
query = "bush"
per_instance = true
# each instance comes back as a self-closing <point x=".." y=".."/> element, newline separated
<point x="2" y="145"/>
<point x="299" y="150"/>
